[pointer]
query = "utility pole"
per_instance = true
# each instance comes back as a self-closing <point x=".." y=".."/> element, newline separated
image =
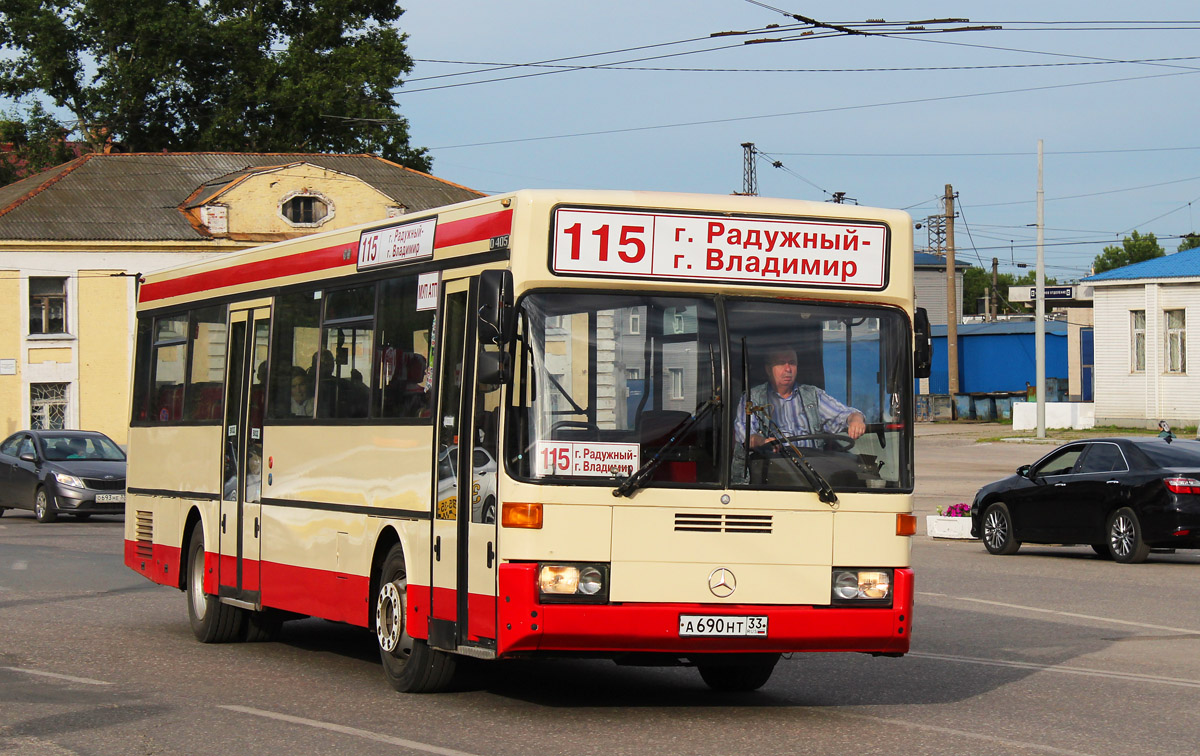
<point x="994" y="299"/>
<point x="1040" y="295"/>
<point x="951" y="298"/>
<point x="750" y="172"/>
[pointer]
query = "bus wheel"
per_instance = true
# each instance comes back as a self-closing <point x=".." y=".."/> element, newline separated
<point x="737" y="673"/>
<point x="409" y="664"/>
<point x="211" y="621"/>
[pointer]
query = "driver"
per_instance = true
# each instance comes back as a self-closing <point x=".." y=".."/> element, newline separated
<point x="798" y="410"/>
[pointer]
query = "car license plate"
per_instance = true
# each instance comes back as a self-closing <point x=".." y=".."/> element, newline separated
<point x="721" y="625"/>
<point x="110" y="498"/>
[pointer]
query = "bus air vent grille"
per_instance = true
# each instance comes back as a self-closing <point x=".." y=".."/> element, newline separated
<point x="696" y="522"/>
<point x="145" y="535"/>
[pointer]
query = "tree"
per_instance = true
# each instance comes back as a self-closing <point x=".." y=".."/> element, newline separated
<point x="282" y="75"/>
<point x="30" y="143"/>
<point x="1189" y="241"/>
<point x="1133" y="249"/>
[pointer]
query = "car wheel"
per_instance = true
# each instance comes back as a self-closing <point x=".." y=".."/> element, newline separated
<point x="489" y="510"/>
<point x="998" y="535"/>
<point x="737" y="673"/>
<point x="409" y="664"/>
<point x="1125" y="542"/>
<point x="43" y="509"/>
<point x="211" y="621"/>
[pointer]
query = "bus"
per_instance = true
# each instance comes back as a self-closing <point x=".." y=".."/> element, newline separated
<point x="509" y="428"/>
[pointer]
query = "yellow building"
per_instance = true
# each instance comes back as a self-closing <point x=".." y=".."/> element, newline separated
<point x="74" y="240"/>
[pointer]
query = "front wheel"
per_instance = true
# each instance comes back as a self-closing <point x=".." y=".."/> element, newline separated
<point x="998" y="534"/>
<point x="1125" y="537"/>
<point x="43" y="509"/>
<point x="211" y="621"/>
<point x="409" y="664"/>
<point x="737" y="673"/>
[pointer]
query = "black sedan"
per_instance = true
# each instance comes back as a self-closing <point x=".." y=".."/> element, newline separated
<point x="54" y="472"/>
<point x="1123" y="496"/>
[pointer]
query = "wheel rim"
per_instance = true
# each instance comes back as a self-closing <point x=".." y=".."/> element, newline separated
<point x="40" y="505"/>
<point x="196" y="586"/>
<point x="389" y="620"/>
<point x="1122" y="535"/>
<point x="995" y="529"/>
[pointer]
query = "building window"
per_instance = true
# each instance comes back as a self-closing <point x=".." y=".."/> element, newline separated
<point x="635" y="321"/>
<point x="305" y="210"/>
<point x="676" y="382"/>
<point x="48" y="406"/>
<point x="1138" y="342"/>
<point x="1176" y="341"/>
<point x="47" y="305"/>
<point x="633" y="374"/>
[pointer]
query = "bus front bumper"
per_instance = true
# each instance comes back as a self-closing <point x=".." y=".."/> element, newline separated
<point x="527" y="626"/>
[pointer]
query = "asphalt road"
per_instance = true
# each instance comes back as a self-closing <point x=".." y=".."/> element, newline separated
<point x="1052" y="651"/>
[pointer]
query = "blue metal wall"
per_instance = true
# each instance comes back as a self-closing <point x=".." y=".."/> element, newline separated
<point x="998" y="357"/>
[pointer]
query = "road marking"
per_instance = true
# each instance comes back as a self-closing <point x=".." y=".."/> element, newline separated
<point x="1005" y="742"/>
<point x="1073" y="615"/>
<point x="57" y="676"/>
<point x="1177" y="681"/>
<point x="356" y="732"/>
<point x="20" y="564"/>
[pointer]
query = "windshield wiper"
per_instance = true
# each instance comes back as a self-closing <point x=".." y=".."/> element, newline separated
<point x="792" y="453"/>
<point x="642" y="474"/>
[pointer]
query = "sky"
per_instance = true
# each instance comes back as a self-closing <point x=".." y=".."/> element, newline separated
<point x="887" y="118"/>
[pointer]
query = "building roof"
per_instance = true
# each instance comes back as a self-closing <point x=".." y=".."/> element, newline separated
<point x="1003" y="328"/>
<point x="927" y="260"/>
<point x="1185" y="264"/>
<point x="140" y="196"/>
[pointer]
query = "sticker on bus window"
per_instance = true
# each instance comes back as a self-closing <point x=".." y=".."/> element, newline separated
<point x="589" y="458"/>
<point x="427" y="290"/>
<point x="780" y="251"/>
<point x="396" y="244"/>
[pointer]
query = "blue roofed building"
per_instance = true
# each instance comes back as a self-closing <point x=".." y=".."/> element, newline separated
<point x="1142" y="313"/>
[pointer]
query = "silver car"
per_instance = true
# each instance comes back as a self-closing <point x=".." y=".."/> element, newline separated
<point x="55" y="472"/>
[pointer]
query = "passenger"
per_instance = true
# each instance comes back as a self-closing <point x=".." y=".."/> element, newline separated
<point x="302" y="395"/>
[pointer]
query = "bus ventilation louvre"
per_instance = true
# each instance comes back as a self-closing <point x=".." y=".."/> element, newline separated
<point x="145" y="535"/>
<point x="722" y="523"/>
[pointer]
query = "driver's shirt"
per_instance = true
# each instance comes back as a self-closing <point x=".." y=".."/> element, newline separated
<point x="788" y="413"/>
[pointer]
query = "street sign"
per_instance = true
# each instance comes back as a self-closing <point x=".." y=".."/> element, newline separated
<point x="1053" y="292"/>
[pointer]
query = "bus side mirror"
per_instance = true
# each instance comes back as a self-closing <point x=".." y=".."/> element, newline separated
<point x="495" y="306"/>
<point x="923" y="350"/>
<point x="492" y="367"/>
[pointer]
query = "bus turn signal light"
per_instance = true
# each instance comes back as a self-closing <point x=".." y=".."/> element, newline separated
<point x="521" y="515"/>
<point x="906" y="524"/>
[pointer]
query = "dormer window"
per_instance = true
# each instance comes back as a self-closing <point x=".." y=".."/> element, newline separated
<point x="306" y="209"/>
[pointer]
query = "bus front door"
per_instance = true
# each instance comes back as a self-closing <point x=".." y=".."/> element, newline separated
<point x="242" y="455"/>
<point x="463" y="552"/>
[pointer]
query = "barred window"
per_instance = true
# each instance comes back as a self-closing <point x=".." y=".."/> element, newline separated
<point x="1176" y="352"/>
<point x="47" y="406"/>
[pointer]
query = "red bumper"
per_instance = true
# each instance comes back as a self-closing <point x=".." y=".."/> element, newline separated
<point x="527" y="626"/>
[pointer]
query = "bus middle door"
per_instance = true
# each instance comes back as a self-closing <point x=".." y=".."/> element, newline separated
<point x="242" y="454"/>
<point x="463" y="599"/>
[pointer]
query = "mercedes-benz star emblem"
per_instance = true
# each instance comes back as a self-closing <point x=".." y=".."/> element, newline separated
<point x="722" y="583"/>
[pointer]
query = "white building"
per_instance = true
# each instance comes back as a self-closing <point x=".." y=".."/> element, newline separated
<point x="1142" y="312"/>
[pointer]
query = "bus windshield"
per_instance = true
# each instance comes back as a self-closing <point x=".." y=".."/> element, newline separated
<point x="608" y="384"/>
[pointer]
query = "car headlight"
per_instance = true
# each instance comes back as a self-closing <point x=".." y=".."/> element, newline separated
<point x="862" y="586"/>
<point x="572" y="583"/>
<point x="69" y="480"/>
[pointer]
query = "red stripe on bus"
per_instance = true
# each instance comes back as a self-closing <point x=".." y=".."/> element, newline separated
<point x="448" y="234"/>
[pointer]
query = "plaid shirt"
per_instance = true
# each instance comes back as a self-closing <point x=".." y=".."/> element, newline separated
<point x="788" y="414"/>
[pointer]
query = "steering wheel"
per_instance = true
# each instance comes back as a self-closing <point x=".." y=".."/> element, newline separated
<point x="841" y="442"/>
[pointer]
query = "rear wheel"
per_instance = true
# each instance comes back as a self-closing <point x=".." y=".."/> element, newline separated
<point x="43" y="508"/>
<point x="1125" y="542"/>
<point x="211" y="621"/>
<point x="998" y="535"/>
<point x="737" y="673"/>
<point x="409" y="664"/>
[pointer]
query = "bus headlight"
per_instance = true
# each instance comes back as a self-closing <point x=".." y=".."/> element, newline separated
<point x="862" y="586"/>
<point x="572" y="583"/>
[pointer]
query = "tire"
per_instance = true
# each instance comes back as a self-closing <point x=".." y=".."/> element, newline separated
<point x="262" y="626"/>
<point x="998" y="535"/>
<point x="211" y="621"/>
<point x="1101" y="550"/>
<point x="43" y="506"/>
<point x="409" y="664"/>
<point x="1125" y="542"/>
<point x="489" y="510"/>
<point x="737" y="673"/>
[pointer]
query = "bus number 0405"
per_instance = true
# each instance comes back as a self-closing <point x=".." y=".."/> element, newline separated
<point x="630" y="247"/>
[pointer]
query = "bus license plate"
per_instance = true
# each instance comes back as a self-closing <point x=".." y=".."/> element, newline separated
<point x="110" y="498"/>
<point x="721" y="625"/>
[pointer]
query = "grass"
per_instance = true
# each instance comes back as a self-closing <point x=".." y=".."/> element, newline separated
<point x="1100" y="431"/>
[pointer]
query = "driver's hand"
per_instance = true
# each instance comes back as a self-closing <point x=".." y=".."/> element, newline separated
<point x="857" y="425"/>
<point x="757" y="440"/>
